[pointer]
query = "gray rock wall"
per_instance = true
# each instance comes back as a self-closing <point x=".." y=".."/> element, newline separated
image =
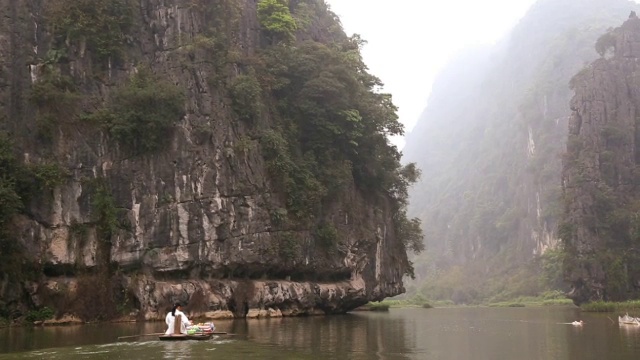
<point x="601" y="174"/>
<point x="199" y="209"/>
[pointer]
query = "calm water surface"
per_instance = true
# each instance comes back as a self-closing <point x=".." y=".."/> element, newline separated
<point x="456" y="333"/>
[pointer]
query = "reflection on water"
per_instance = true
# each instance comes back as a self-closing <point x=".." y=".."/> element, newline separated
<point x="360" y="335"/>
<point x="28" y="338"/>
<point x="436" y="334"/>
<point x="177" y="350"/>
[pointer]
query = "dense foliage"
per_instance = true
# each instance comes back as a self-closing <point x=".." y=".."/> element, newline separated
<point x="100" y="25"/>
<point x="276" y="20"/>
<point x="142" y="112"/>
<point x="246" y="95"/>
<point x="56" y="99"/>
<point x="332" y="130"/>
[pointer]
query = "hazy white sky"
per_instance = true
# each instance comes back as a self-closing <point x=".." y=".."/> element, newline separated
<point x="409" y="41"/>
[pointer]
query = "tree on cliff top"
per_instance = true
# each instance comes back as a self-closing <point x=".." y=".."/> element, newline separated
<point x="605" y="43"/>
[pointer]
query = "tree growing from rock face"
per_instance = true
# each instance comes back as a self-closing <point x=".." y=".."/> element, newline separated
<point x="143" y="111"/>
<point x="276" y="20"/>
<point x="100" y="25"/>
<point x="606" y="43"/>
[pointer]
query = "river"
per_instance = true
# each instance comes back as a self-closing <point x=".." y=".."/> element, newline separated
<point x="411" y="333"/>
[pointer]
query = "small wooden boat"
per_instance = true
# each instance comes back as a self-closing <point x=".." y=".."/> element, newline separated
<point x="628" y="320"/>
<point x="182" y="337"/>
<point x="178" y="336"/>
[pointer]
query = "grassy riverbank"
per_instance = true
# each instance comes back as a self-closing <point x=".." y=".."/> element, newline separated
<point x="526" y="301"/>
<point x="385" y="305"/>
<point x="551" y="298"/>
<point x="605" y="306"/>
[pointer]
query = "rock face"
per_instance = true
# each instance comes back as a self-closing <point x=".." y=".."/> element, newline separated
<point x="199" y="212"/>
<point x="601" y="173"/>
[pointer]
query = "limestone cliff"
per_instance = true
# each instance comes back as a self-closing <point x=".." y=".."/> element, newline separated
<point x="601" y="174"/>
<point x="200" y="218"/>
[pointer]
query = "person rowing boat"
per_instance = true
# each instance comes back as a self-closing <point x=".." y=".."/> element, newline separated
<point x="176" y="321"/>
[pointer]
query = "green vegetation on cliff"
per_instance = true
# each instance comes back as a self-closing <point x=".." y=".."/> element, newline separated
<point x="56" y="99"/>
<point x="100" y="26"/>
<point x="141" y="113"/>
<point x="276" y="20"/>
<point x="19" y="184"/>
<point x="331" y="127"/>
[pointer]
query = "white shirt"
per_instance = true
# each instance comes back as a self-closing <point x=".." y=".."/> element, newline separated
<point x="170" y="321"/>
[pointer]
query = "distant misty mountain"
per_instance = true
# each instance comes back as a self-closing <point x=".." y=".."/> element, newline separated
<point x="489" y="145"/>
